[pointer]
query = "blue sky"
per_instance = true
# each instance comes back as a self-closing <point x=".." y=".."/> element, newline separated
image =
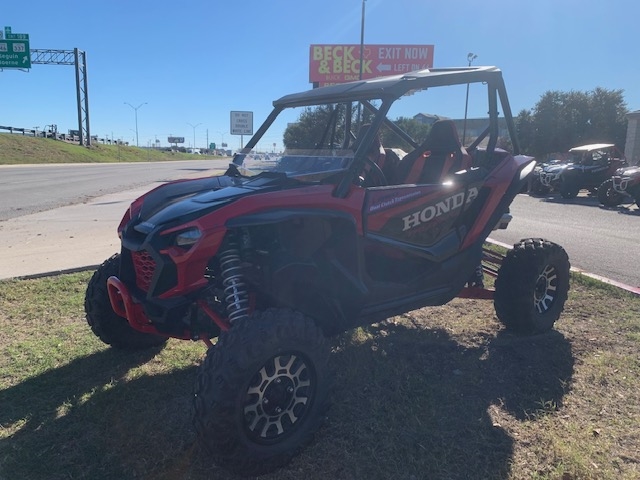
<point x="195" y="61"/>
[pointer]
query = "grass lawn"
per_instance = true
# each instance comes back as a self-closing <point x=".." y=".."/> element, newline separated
<point x="21" y="150"/>
<point x="439" y="393"/>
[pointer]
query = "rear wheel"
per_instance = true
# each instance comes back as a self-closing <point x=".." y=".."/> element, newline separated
<point x="104" y="322"/>
<point x="607" y="196"/>
<point x="532" y="286"/>
<point x="262" y="391"/>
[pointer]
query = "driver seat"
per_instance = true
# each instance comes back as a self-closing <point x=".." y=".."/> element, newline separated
<point x="440" y="155"/>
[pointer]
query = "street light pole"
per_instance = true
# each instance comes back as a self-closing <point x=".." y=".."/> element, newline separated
<point x="361" y="39"/>
<point x="194" y="132"/>
<point x="361" y="55"/>
<point x="136" y="110"/>
<point x="470" y="58"/>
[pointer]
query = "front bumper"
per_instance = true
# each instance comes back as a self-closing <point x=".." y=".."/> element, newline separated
<point x="124" y="306"/>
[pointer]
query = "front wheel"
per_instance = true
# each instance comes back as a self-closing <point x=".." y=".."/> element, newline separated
<point x="537" y="188"/>
<point x="607" y="195"/>
<point x="569" y="188"/>
<point x="532" y="286"/>
<point x="104" y="322"/>
<point x="261" y="392"/>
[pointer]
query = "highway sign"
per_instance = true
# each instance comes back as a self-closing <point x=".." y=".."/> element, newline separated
<point x="241" y="123"/>
<point x="14" y="50"/>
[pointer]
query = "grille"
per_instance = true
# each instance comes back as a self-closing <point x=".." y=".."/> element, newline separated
<point x="145" y="266"/>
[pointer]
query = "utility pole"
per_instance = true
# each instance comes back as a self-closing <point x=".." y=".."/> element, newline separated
<point x="470" y="58"/>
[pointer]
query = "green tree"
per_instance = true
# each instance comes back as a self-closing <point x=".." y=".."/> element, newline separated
<point x="525" y="130"/>
<point x="561" y="120"/>
<point x="310" y="128"/>
<point x="323" y="126"/>
<point x="608" y="121"/>
<point x="417" y="130"/>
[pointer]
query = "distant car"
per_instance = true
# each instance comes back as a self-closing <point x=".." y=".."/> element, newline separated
<point x="625" y="182"/>
<point x="589" y="166"/>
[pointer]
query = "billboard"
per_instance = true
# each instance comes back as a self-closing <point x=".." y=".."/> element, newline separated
<point x="175" y="140"/>
<point x="331" y="64"/>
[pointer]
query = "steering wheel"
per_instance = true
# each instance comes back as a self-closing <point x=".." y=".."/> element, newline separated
<point x="374" y="177"/>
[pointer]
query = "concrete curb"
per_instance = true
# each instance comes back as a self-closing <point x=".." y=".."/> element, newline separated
<point x="54" y="273"/>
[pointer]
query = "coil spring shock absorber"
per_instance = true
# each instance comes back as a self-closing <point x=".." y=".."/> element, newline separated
<point x="235" y="291"/>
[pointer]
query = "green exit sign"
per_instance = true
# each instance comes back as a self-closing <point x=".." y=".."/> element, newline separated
<point x="14" y="50"/>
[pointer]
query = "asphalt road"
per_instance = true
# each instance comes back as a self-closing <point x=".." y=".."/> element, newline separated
<point x="602" y="241"/>
<point x="27" y="189"/>
<point x="64" y="216"/>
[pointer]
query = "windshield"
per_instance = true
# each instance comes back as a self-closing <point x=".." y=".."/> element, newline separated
<point x="309" y="143"/>
<point x="298" y="162"/>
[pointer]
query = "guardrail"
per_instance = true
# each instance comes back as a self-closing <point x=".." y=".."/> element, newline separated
<point x="26" y="131"/>
<point x="57" y="136"/>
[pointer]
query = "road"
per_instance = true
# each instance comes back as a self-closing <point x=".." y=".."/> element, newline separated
<point x="27" y="189"/>
<point x="61" y="217"/>
<point x="46" y="208"/>
<point x="602" y="241"/>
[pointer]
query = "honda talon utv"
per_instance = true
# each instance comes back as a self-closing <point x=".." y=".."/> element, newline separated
<point x="341" y="211"/>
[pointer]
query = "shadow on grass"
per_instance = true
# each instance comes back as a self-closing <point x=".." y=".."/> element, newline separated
<point x="86" y="420"/>
<point x="416" y="403"/>
<point x="407" y="403"/>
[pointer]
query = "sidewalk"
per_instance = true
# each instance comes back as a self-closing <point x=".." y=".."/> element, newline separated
<point x="68" y="238"/>
<point x="65" y="238"/>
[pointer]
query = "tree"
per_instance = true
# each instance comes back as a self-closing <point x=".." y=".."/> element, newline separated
<point x="417" y="130"/>
<point x="308" y="131"/>
<point x="525" y="130"/>
<point x="561" y="120"/>
<point x="324" y="127"/>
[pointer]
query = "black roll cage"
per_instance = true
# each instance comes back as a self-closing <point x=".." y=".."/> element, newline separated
<point x="388" y="90"/>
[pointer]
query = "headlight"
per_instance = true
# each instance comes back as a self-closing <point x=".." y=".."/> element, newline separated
<point x="188" y="237"/>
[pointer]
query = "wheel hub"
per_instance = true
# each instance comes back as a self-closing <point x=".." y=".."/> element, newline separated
<point x="278" y="396"/>
<point x="545" y="290"/>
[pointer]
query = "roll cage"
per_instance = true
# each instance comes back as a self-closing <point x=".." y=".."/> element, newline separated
<point x="386" y="90"/>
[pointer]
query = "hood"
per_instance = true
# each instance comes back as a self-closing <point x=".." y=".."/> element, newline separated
<point x="556" y="167"/>
<point x="177" y="203"/>
<point x="629" y="171"/>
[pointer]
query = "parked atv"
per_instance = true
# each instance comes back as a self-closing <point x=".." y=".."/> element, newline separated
<point x="536" y="187"/>
<point x="623" y="184"/>
<point x="327" y="230"/>
<point x="590" y="166"/>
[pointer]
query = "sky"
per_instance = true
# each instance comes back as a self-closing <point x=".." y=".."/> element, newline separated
<point x="182" y="67"/>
